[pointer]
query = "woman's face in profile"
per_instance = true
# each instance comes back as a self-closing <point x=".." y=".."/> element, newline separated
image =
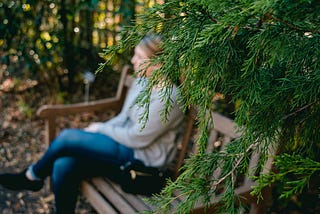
<point x="140" y="62"/>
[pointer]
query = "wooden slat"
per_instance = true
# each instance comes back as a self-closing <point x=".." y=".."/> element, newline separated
<point x="61" y="110"/>
<point x="244" y="192"/>
<point x="176" y="201"/>
<point x="226" y="140"/>
<point x="185" y="141"/>
<point x="225" y="125"/>
<point x="199" y="208"/>
<point x="126" y="70"/>
<point x="138" y="203"/>
<point x="50" y="128"/>
<point x="96" y="200"/>
<point x="254" y="159"/>
<point x="113" y="196"/>
<point x="129" y="80"/>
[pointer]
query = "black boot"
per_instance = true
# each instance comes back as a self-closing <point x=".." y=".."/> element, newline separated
<point x="19" y="181"/>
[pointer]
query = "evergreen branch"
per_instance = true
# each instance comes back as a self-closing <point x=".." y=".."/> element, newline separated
<point x="290" y="25"/>
<point x="230" y="173"/>
<point x="176" y="197"/>
<point x="204" y="12"/>
<point x="299" y="110"/>
<point x="294" y="172"/>
<point x="268" y="17"/>
<point x="247" y="59"/>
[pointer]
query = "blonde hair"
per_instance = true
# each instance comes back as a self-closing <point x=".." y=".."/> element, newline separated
<point x="152" y="44"/>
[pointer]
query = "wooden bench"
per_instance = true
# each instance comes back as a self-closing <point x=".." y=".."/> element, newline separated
<point x="107" y="197"/>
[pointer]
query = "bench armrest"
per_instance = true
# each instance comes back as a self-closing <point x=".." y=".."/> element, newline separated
<point x="50" y="112"/>
<point x="47" y="111"/>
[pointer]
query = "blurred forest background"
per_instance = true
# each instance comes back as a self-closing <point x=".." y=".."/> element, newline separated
<point x="48" y="53"/>
<point x="54" y="43"/>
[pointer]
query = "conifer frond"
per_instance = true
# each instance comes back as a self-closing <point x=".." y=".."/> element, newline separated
<point x="264" y="54"/>
<point x="294" y="171"/>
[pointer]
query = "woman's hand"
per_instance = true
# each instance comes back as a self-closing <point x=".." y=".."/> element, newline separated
<point x="93" y="127"/>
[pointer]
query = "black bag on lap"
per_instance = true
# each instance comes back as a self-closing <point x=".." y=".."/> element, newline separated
<point x="136" y="178"/>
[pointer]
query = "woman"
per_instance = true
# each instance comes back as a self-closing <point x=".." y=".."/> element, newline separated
<point x="101" y="148"/>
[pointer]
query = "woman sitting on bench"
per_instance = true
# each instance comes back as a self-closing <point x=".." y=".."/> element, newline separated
<point x="102" y="148"/>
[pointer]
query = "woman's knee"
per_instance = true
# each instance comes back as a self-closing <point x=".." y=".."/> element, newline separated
<point x="68" y="135"/>
<point x="64" y="168"/>
<point x="65" y="138"/>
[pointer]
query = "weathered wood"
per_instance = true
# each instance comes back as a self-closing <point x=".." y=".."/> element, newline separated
<point x="61" y="110"/>
<point x="225" y="126"/>
<point x="113" y="197"/>
<point x="50" y="129"/>
<point x="96" y="200"/>
<point x="183" y="146"/>
<point x="138" y="202"/>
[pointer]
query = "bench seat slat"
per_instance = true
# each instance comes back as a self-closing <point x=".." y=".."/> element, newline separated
<point x="137" y="202"/>
<point x="113" y="196"/>
<point x="95" y="199"/>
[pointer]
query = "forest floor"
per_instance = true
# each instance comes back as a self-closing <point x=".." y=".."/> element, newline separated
<point x="22" y="143"/>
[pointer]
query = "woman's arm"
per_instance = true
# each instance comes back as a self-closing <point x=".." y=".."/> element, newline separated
<point x="122" y="117"/>
<point x="133" y="135"/>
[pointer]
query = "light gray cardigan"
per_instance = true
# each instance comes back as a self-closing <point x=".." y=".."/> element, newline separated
<point x="153" y="143"/>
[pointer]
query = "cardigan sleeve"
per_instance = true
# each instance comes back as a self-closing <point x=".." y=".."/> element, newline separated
<point x="133" y="135"/>
<point x="121" y="118"/>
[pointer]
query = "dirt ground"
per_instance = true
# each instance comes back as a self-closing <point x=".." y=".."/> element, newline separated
<point x="22" y="143"/>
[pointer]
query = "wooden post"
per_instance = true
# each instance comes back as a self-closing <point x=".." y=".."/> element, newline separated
<point x="50" y="128"/>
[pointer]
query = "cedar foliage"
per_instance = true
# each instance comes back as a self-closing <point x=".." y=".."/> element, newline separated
<point x="264" y="54"/>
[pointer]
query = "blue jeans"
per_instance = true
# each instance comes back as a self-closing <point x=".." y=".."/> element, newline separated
<point x="75" y="155"/>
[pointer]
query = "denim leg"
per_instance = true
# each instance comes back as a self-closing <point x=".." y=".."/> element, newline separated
<point x="82" y="145"/>
<point x="75" y="155"/>
<point x="66" y="176"/>
<point x="65" y="184"/>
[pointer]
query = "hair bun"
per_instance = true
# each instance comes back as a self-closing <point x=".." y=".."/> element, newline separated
<point x="151" y="43"/>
